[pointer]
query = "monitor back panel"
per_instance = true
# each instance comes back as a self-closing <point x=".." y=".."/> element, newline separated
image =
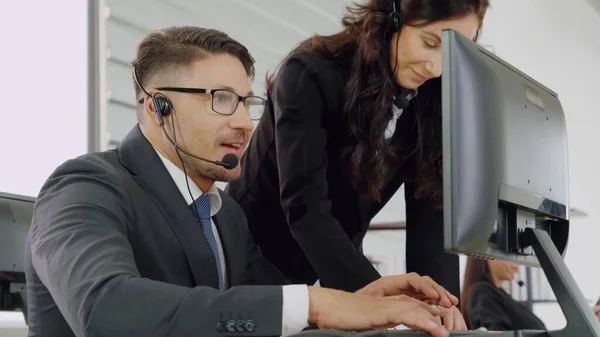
<point x="504" y="142"/>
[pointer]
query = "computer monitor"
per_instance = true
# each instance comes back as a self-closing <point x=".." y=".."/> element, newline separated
<point x="504" y="155"/>
<point x="16" y="213"/>
<point x="505" y="163"/>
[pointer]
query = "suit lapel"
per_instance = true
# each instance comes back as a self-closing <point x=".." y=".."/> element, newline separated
<point x="140" y="158"/>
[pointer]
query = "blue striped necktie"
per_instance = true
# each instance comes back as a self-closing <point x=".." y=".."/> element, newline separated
<point x="202" y="204"/>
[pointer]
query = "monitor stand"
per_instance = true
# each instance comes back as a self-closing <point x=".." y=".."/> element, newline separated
<point x="581" y="321"/>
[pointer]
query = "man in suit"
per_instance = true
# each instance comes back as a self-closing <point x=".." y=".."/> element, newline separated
<point x="138" y="241"/>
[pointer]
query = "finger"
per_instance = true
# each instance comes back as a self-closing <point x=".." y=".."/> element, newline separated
<point x="463" y="323"/>
<point x="424" y="285"/>
<point x="438" y="319"/>
<point x="449" y="319"/>
<point x="432" y="310"/>
<point x="444" y="298"/>
<point x="443" y="292"/>
<point x="418" y="287"/>
<point x="459" y="321"/>
<point x="452" y="298"/>
<point x="420" y="319"/>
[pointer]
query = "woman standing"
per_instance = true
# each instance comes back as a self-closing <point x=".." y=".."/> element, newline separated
<point x="332" y="149"/>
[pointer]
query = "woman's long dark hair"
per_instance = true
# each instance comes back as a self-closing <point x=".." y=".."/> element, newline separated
<point x="368" y="95"/>
<point x="477" y="270"/>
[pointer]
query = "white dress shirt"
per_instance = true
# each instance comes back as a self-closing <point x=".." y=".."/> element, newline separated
<point x="295" y="297"/>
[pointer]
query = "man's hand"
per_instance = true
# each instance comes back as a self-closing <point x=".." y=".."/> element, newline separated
<point x="452" y="319"/>
<point x="420" y="287"/>
<point x="597" y="311"/>
<point x="334" y="309"/>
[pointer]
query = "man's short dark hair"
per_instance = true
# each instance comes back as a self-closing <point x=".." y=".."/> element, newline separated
<point x="173" y="47"/>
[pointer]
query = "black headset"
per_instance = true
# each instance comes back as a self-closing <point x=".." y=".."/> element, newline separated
<point x="161" y="106"/>
<point x="394" y="20"/>
<point x="394" y="24"/>
<point x="160" y="103"/>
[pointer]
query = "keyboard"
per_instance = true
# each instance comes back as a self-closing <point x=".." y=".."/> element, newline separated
<point x="412" y="333"/>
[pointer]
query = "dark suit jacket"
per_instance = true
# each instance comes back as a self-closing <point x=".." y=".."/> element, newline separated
<point x="302" y="208"/>
<point x="114" y="250"/>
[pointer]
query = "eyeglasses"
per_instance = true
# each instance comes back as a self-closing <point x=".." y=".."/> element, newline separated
<point x="225" y="102"/>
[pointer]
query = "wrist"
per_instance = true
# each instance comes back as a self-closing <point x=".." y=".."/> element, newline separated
<point x="317" y="297"/>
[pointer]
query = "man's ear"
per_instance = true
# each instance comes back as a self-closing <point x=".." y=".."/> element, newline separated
<point x="149" y="112"/>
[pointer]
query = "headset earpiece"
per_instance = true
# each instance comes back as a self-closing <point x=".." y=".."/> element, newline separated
<point x="394" y="19"/>
<point x="161" y="106"/>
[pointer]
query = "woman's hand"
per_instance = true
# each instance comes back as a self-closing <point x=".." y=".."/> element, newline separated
<point x="419" y="287"/>
<point x="597" y="312"/>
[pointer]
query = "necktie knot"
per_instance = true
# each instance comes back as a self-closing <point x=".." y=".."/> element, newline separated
<point x="202" y="205"/>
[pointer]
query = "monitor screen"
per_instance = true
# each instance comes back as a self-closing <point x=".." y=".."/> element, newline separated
<point x="504" y="155"/>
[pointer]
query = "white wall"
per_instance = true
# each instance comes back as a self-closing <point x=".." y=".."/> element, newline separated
<point x="386" y="248"/>
<point x="43" y="89"/>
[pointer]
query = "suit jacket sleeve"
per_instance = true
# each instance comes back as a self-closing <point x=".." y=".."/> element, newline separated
<point x="81" y="253"/>
<point x="302" y="160"/>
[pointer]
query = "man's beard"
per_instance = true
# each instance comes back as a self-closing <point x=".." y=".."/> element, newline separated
<point x="210" y="171"/>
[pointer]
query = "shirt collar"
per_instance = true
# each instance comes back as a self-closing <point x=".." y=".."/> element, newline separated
<point x="412" y="94"/>
<point x="179" y="178"/>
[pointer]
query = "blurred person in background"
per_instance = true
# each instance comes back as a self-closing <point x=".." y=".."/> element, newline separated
<point x="350" y="118"/>
<point x="485" y="304"/>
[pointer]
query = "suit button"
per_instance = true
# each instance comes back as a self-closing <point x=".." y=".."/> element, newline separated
<point x="250" y="325"/>
<point x="221" y="326"/>
<point x="231" y="326"/>
<point x="239" y="325"/>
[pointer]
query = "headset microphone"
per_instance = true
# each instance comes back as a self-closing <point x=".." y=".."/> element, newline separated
<point x="401" y="101"/>
<point x="520" y="283"/>
<point x="229" y="161"/>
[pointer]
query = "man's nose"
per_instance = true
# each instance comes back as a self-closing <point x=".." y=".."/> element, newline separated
<point x="241" y="119"/>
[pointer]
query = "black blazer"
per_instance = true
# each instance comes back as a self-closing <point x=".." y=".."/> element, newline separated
<point x="492" y="308"/>
<point x="296" y="191"/>
<point x="114" y="250"/>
